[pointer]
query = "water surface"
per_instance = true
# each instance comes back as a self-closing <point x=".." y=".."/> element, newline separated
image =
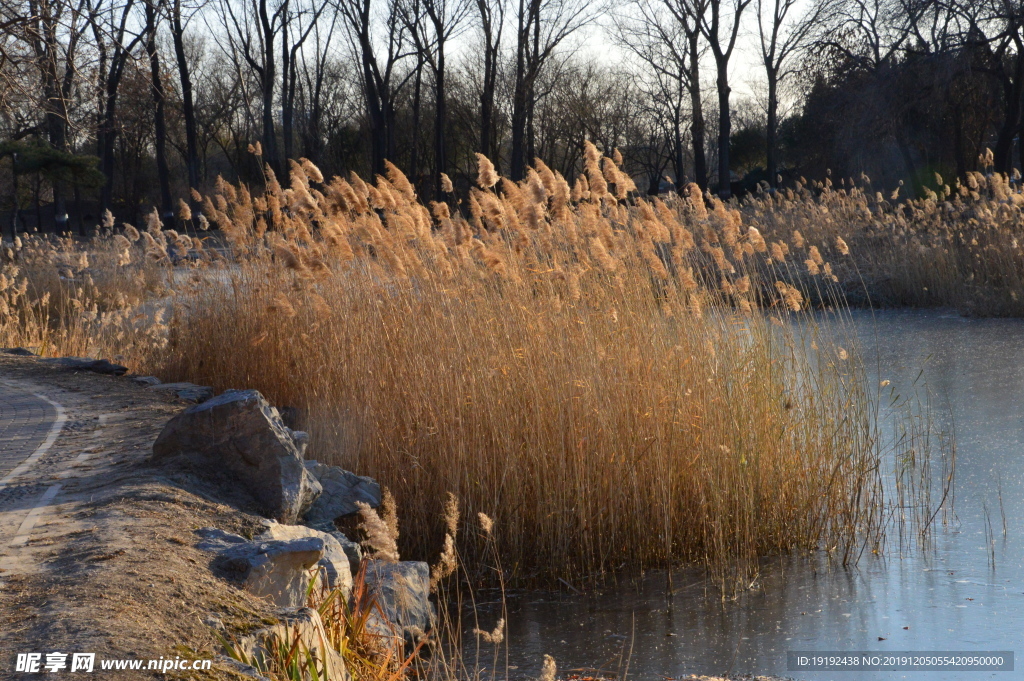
<point x="962" y="593"/>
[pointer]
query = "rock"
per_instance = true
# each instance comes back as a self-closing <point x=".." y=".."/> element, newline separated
<point x="190" y="392"/>
<point x="146" y="380"/>
<point x="239" y="434"/>
<point x="277" y="570"/>
<point x="402" y="590"/>
<point x="335" y="566"/>
<point x="241" y="669"/>
<point x="99" y="366"/>
<point x="216" y="540"/>
<point x="307" y="625"/>
<point x="24" y="352"/>
<point x="240" y="557"/>
<point x="341" y="491"/>
<point x="352" y="550"/>
<point x="291" y="416"/>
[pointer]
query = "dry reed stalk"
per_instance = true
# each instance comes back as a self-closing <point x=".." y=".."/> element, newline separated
<point x="550" y="370"/>
<point x="608" y="379"/>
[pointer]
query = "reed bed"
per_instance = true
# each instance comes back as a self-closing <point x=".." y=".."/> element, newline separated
<point x="959" y="245"/>
<point x="612" y="382"/>
<point x="616" y="381"/>
<point x="63" y="297"/>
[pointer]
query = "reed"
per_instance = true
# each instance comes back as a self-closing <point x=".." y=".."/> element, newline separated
<point x="616" y="381"/>
<point x="61" y="297"/>
<point x="959" y="245"/>
<point x="612" y="382"/>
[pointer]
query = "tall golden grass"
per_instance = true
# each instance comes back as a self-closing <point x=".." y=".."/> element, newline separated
<point x="62" y="297"/>
<point x="611" y="381"/>
<point x="960" y="245"/>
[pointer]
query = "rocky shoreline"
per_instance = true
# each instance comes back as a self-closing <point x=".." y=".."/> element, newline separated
<point x="196" y="526"/>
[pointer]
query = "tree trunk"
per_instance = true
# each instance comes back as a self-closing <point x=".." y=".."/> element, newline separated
<point x="1012" y="90"/>
<point x="267" y="85"/>
<point x="106" y="136"/>
<point x="414" y="154"/>
<point x="531" y="91"/>
<point x="159" y="120"/>
<point x="187" y="104"/>
<point x="54" y="106"/>
<point x="487" y="104"/>
<point x="288" y="80"/>
<point x="286" y="123"/>
<point x="39" y="202"/>
<point x="58" y="138"/>
<point x="773" y="127"/>
<point x="724" y="130"/>
<point x="14" y="197"/>
<point x="959" y="151"/>
<point x="1020" y="144"/>
<point x="390" y="125"/>
<point x="531" y="132"/>
<point x="106" y="139"/>
<point x="700" y="163"/>
<point x="313" y="138"/>
<point x="517" y="163"/>
<point x="111" y="72"/>
<point x="653" y="182"/>
<point x="78" y="211"/>
<point x="374" y="109"/>
<point x="441" y="115"/>
<point x="677" y="158"/>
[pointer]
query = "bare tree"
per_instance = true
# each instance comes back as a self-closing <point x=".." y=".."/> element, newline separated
<point x="780" y="37"/>
<point x="689" y="17"/>
<point x="380" y="80"/>
<point x="492" y="21"/>
<point x="178" y="23"/>
<point x="115" y="44"/>
<point x="432" y="24"/>
<point x="871" y="35"/>
<point x="54" y="32"/>
<point x="256" y="30"/>
<point x="251" y="31"/>
<point x="296" y="28"/>
<point x="159" y="116"/>
<point x="1002" y="24"/>
<point x="541" y="27"/>
<point x="720" y="25"/>
<point x="664" y="36"/>
<point x="315" y="74"/>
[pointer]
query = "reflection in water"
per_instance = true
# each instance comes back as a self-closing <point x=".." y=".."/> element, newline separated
<point x="948" y="597"/>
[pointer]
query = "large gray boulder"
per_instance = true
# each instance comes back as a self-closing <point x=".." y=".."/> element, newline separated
<point x="275" y="570"/>
<point x="277" y="564"/>
<point x="335" y="568"/>
<point x="240" y="434"/>
<point x="216" y="540"/>
<point x="341" y="490"/>
<point x="402" y="590"/>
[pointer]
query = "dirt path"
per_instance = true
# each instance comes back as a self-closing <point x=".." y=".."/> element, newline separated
<point x="30" y="424"/>
<point x="96" y="546"/>
<point x="26" y="419"/>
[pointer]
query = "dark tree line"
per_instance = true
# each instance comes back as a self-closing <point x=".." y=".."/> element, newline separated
<point x="163" y="95"/>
